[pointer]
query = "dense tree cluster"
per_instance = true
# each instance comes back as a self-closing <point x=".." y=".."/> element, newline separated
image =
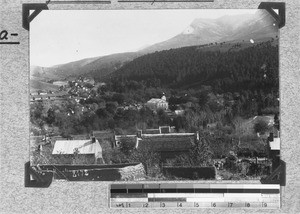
<point x="250" y="68"/>
<point x="83" y="118"/>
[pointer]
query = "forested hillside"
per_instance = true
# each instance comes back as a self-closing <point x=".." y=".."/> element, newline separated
<point x="238" y="68"/>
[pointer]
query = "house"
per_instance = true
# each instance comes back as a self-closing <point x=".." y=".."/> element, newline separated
<point x="61" y="83"/>
<point x="45" y="96"/>
<point x="212" y="125"/>
<point x="179" y="112"/>
<point x="160" y="130"/>
<point x="155" y="104"/>
<point x="89" y="80"/>
<point x="151" y="131"/>
<point x="86" y="151"/>
<point x="166" y="143"/>
<point x="274" y="149"/>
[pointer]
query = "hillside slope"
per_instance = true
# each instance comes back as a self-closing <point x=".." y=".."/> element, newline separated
<point x="36" y="85"/>
<point x="238" y="65"/>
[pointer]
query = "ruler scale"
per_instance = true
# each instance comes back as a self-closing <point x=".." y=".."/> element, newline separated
<point x="195" y="196"/>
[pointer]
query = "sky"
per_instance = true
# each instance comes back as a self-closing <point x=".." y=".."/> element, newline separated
<point x="62" y="36"/>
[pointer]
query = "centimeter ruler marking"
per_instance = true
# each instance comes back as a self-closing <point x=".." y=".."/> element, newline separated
<point x="195" y="205"/>
<point x="188" y="196"/>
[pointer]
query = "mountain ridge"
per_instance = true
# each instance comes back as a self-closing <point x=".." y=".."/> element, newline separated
<point x="199" y="32"/>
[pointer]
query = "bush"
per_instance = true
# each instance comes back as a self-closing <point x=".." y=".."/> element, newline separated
<point x="193" y="173"/>
<point x="261" y="127"/>
<point x="148" y="158"/>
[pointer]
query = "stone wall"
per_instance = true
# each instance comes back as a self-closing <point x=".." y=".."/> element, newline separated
<point x="132" y="173"/>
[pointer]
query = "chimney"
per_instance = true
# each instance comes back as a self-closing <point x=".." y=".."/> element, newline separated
<point x="197" y="135"/>
<point x="164" y="129"/>
<point x="139" y="134"/>
<point x="271" y="137"/>
<point x="93" y="139"/>
<point x="137" y="143"/>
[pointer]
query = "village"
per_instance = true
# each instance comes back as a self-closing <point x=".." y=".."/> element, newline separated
<point x="164" y="152"/>
<point x="156" y="149"/>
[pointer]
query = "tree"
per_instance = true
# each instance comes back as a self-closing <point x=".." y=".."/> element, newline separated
<point x="276" y="121"/>
<point x="199" y="155"/>
<point x="114" y="156"/>
<point x="102" y="113"/>
<point x="50" y="116"/>
<point x="231" y="162"/>
<point x="118" y="98"/>
<point x="111" y="123"/>
<point x="37" y="111"/>
<point x="261" y="127"/>
<point x="111" y="107"/>
<point x="180" y="122"/>
<point x="163" y="117"/>
<point x="203" y="100"/>
<point x="88" y="85"/>
<point x="147" y="157"/>
<point x="173" y="103"/>
<point x="102" y="89"/>
<point x="38" y="115"/>
<point x="240" y="126"/>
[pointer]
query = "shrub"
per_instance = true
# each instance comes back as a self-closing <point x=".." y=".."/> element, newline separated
<point x="261" y="127"/>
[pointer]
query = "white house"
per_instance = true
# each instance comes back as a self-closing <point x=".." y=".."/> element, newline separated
<point x="60" y="83"/>
<point x="81" y="147"/>
<point x="156" y="103"/>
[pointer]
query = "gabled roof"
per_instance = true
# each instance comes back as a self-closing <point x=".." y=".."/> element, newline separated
<point x="167" y="142"/>
<point x="156" y="100"/>
<point x="60" y="82"/>
<point x="83" y="146"/>
<point x="151" y="131"/>
<point x="103" y="134"/>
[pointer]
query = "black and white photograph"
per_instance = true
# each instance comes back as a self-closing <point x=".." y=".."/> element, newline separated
<point x="154" y="95"/>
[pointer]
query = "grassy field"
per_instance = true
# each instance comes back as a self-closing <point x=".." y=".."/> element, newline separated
<point x="36" y="84"/>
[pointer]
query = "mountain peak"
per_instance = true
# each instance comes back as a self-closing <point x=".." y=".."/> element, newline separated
<point x="200" y="22"/>
<point x="188" y="30"/>
<point x="201" y="31"/>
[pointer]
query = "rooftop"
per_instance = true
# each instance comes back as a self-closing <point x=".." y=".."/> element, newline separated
<point x="156" y="100"/>
<point x="275" y="144"/>
<point x="167" y="142"/>
<point x="83" y="147"/>
<point x="158" y="142"/>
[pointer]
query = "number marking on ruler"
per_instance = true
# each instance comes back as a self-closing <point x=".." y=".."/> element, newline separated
<point x="195" y="196"/>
